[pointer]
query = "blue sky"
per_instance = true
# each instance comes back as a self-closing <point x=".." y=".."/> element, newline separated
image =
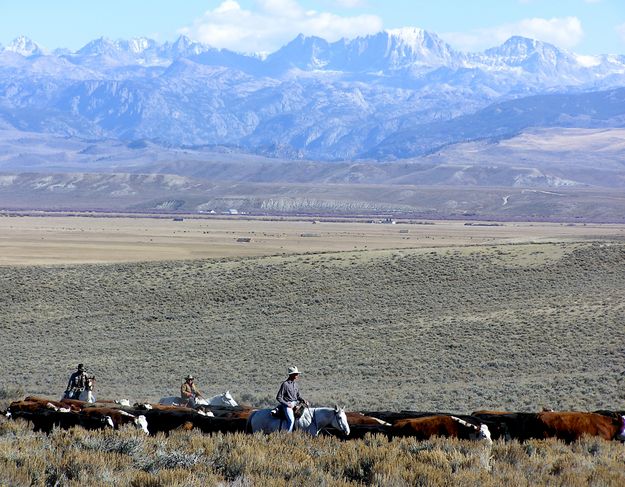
<point x="583" y="26"/>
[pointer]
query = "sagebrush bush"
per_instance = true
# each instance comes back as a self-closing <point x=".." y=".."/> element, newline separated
<point x="77" y="457"/>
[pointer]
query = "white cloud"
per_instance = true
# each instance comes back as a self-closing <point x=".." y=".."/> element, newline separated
<point x="272" y="24"/>
<point x="564" y="32"/>
<point x="620" y="30"/>
<point x="350" y="3"/>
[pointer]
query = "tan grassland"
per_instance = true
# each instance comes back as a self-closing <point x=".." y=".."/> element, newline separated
<point x="50" y="240"/>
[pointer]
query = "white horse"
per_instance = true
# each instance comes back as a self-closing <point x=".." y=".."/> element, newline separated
<point x="87" y="394"/>
<point x="224" y="399"/>
<point x="312" y="421"/>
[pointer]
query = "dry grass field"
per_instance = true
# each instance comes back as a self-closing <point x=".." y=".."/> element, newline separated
<point x="53" y="240"/>
<point x="188" y="459"/>
<point x="516" y="316"/>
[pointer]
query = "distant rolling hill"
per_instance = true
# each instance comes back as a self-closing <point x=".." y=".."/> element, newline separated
<point x="563" y="174"/>
<point x="507" y="119"/>
<point x="536" y="158"/>
<point x="167" y="193"/>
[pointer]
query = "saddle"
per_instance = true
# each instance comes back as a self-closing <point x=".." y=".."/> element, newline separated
<point x="278" y="412"/>
<point x="72" y="393"/>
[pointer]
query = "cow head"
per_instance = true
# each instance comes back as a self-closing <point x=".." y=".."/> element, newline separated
<point x="484" y="434"/>
<point x="481" y="432"/>
<point x="108" y="421"/>
<point x="142" y="423"/>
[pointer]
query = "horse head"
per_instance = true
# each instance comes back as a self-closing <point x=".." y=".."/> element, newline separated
<point x="340" y="420"/>
<point x="87" y="394"/>
<point x="228" y="400"/>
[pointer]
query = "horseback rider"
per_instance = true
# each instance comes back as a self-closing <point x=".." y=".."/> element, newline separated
<point x="289" y="397"/>
<point x="189" y="391"/>
<point x="77" y="383"/>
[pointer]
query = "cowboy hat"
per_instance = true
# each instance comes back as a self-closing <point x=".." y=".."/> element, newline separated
<point x="188" y="377"/>
<point x="293" y="370"/>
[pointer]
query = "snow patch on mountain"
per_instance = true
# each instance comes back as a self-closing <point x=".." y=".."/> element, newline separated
<point x="24" y="46"/>
<point x="384" y="95"/>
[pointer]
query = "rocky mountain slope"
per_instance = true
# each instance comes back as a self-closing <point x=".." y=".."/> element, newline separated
<point x="399" y="93"/>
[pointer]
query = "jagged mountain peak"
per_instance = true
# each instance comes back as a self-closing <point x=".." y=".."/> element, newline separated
<point x="137" y="45"/>
<point x="403" y="48"/>
<point x="540" y="59"/>
<point x="99" y="46"/>
<point x="412" y="36"/>
<point x="304" y="39"/>
<point x="24" y="46"/>
<point x="183" y="41"/>
<point x="183" y="46"/>
<point x="519" y="48"/>
<point x="305" y="52"/>
<point x="106" y="46"/>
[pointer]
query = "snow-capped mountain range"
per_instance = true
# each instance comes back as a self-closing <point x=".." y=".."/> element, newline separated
<point x="368" y="97"/>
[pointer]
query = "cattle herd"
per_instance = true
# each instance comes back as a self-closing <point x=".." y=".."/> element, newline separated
<point x="46" y="414"/>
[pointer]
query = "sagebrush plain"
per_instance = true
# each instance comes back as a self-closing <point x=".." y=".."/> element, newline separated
<point x="473" y="317"/>
<point x="437" y="316"/>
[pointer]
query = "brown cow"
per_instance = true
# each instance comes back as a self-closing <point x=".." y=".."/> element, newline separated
<point x="74" y="404"/>
<point x="35" y="407"/>
<point x="59" y="404"/>
<point x="441" y="425"/>
<point x="230" y="412"/>
<point x="392" y="416"/>
<point x="572" y="425"/>
<point x="45" y="417"/>
<point x="567" y="426"/>
<point x="361" y="424"/>
<point x="243" y="414"/>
